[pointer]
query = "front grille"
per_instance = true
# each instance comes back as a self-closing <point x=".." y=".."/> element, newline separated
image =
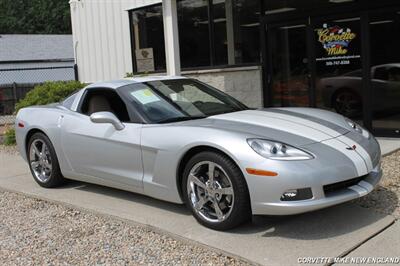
<point x="342" y="185"/>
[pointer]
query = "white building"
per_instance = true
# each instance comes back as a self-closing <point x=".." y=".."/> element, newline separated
<point x="335" y="54"/>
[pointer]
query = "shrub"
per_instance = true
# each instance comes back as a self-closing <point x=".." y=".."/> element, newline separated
<point x="49" y="92"/>
<point x="9" y="136"/>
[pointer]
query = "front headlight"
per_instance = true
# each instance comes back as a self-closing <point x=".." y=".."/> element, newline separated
<point x="357" y="128"/>
<point x="278" y="151"/>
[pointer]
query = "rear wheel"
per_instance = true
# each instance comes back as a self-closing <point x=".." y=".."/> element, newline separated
<point x="43" y="161"/>
<point x="215" y="191"/>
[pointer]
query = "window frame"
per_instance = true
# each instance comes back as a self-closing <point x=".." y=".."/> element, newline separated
<point x="134" y="117"/>
<point x="132" y="38"/>
<point x="211" y="42"/>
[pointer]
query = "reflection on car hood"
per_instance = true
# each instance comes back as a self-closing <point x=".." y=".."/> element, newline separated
<point x="300" y="126"/>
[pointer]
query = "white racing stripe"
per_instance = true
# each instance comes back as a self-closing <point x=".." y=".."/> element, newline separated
<point x="261" y="119"/>
<point x="305" y="122"/>
<point x="304" y="128"/>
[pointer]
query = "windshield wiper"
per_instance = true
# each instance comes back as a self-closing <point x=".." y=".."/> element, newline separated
<point x="180" y="118"/>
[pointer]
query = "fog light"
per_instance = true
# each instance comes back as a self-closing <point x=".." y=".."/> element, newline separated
<point x="297" y="194"/>
<point x="290" y="194"/>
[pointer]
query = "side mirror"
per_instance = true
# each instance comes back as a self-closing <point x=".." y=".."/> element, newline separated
<point x="107" y="117"/>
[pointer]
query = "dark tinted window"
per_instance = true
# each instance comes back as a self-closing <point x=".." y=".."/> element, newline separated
<point x="148" y="32"/>
<point x="247" y="31"/>
<point x="194" y="33"/>
<point x="234" y="28"/>
<point x="220" y="31"/>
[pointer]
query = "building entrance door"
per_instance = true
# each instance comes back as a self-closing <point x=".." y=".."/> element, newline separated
<point x="317" y="62"/>
<point x="343" y="58"/>
<point x="289" y="77"/>
<point x="338" y="65"/>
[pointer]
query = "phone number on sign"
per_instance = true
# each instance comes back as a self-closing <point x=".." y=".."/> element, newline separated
<point x="337" y="63"/>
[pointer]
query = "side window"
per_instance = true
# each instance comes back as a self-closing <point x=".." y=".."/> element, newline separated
<point x="104" y="100"/>
<point x="67" y="103"/>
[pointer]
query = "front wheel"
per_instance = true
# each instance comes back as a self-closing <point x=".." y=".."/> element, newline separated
<point x="347" y="103"/>
<point x="43" y="161"/>
<point x="215" y="191"/>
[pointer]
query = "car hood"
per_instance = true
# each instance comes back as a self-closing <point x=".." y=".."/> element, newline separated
<point x="296" y="126"/>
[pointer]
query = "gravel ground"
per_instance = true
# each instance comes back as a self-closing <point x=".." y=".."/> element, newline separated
<point x="9" y="149"/>
<point x="386" y="197"/>
<point x="36" y="232"/>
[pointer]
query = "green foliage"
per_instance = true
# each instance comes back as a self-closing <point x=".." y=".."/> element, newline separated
<point x="35" y="17"/>
<point x="129" y="75"/>
<point x="49" y="92"/>
<point x="9" y="137"/>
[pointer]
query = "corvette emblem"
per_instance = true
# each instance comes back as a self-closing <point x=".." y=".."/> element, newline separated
<point x="352" y="147"/>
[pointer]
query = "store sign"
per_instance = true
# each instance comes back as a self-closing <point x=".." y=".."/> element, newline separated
<point x="144" y="60"/>
<point x="336" y="42"/>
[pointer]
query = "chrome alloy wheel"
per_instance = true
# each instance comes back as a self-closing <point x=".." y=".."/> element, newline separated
<point x="210" y="191"/>
<point x="40" y="160"/>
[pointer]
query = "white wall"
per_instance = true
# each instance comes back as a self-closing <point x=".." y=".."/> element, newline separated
<point x="101" y="36"/>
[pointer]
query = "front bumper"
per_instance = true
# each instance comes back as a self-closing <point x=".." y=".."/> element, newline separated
<point x="362" y="188"/>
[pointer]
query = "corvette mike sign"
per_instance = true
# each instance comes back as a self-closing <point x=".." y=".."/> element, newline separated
<point x="337" y="47"/>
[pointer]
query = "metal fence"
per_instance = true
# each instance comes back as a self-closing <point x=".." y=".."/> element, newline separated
<point x="15" y="83"/>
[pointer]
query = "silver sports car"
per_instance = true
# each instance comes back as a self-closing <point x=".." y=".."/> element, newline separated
<point x="182" y="141"/>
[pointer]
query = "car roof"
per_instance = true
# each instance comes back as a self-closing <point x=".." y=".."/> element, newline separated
<point x="115" y="84"/>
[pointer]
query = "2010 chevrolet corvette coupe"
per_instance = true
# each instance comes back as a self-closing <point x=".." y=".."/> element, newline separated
<point x="182" y="141"/>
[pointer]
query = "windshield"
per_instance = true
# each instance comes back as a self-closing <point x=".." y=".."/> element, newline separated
<point x="165" y="101"/>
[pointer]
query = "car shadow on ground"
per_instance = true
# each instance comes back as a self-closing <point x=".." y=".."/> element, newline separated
<point x="326" y="223"/>
<point x="129" y="196"/>
<point x="329" y="222"/>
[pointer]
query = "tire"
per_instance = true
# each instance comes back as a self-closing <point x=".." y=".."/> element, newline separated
<point x="44" y="164"/>
<point x="228" y="192"/>
<point x="348" y="103"/>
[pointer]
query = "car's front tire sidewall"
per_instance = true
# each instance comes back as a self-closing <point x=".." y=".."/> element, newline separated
<point x="241" y="211"/>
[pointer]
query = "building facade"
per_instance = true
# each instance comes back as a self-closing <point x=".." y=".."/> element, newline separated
<point x="340" y="55"/>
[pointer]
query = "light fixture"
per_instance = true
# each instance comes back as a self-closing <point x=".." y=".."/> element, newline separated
<point x="292" y="27"/>
<point x="381" y="22"/>
<point x="250" y="24"/>
<point x="279" y="10"/>
<point x="340" y="1"/>
<point x="347" y="19"/>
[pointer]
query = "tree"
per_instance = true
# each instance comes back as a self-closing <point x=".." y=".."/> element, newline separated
<point x="35" y="17"/>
